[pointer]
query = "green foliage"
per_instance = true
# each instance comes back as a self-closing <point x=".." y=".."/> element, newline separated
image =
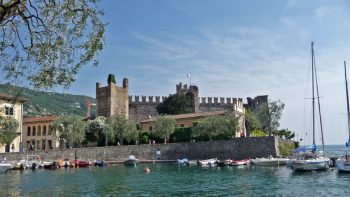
<point x="181" y="135"/>
<point x="40" y="102"/>
<point x="258" y="133"/>
<point x="8" y="130"/>
<point x="216" y="127"/>
<point x="111" y="79"/>
<point x="48" y="42"/>
<point x="175" y="104"/>
<point x="286" y="148"/>
<point x="122" y="129"/>
<point x="269" y="115"/>
<point x="144" y="137"/>
<point x="96" y="129"/>
<point x="164" y="127"/>
<point x="251" y="122"/>
<point x="284" y="133"/>
<point x="70" y="129"/>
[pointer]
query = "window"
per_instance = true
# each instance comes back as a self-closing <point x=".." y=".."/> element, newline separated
<point x="50" y="130"/>
<point x="39" y="130"/>
<point x="34" y="132"/>
<point x="28" y="131"/>
<point x="44" y="130"/>
<point x="9" y="111"/>
<point x="182" y="125"/>
<point x="150" y="128"/>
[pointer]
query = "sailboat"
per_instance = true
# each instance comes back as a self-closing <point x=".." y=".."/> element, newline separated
<point x="309" y="160"/>
<point x="343" y="163"/>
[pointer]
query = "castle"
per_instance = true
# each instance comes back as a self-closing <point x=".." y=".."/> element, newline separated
<point x="111" y="100"/>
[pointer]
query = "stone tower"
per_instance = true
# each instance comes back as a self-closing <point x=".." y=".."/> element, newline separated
<point x="191" y="94"/>
<point x="111" y="99"/>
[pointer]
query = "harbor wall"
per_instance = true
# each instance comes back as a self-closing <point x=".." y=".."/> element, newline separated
<point x="237" y="148"/>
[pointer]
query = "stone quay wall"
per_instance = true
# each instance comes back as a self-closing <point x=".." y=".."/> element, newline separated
<point x="238" y="148"/>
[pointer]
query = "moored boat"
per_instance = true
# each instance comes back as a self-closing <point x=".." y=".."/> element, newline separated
<point x="182" y="162"/>
<point x="239" y="162"/>
<point x="99" y="163"/>
<point x="343" y="163"/>
<point x="82" y="164"/>
<point x="269" y="161"/>
<point x="132" y="161"/>
<point x="4" y="167"/>
<point x="208" y="162"/>
<point x="310" y="159"/>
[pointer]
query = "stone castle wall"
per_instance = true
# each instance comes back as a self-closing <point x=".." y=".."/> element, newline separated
<point x="237" y="148"/>
<point x="111" y="99"/>
<point x="144" y="107"/>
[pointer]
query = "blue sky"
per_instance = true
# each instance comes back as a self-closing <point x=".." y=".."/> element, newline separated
<point x="232" y="49"/>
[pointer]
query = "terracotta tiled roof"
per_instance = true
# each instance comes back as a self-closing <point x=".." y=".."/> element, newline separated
<point x="7" y="97"/>
<point x="39" y="119"/>
<point x="192" y="115"/>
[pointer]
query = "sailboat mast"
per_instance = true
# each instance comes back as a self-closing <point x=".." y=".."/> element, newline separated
<point x="319" y="105"/>
<point x="347" y="99"/>
<point x="313" y="93"/>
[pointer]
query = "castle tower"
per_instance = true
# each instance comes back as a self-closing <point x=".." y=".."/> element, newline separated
<point x="191" y="93"/>
<point x="111" y="99"/>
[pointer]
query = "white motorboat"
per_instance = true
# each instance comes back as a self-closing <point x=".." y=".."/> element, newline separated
<point x="182" y="162"/>
<point x="131" y="160"/>
<point x="269" y="161"/>
<point x="4" y="167"/>
<point x="343" y="163"/>
<point x="208" y="162"/>
<point x="310" y="160"/>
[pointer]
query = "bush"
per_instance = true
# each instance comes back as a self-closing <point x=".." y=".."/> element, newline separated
<point x="286" y="148"/>
<point x="181" y="135"/>
<point x="258" y="133"/>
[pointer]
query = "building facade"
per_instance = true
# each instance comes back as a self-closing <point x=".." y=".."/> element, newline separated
<point x="38" y="133"/>
<point x="12" y="107"/>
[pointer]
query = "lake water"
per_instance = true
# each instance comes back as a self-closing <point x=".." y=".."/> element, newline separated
<point x="171" y="180"/>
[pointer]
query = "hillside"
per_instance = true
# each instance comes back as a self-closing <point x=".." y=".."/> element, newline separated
<point x="45" y="103"/>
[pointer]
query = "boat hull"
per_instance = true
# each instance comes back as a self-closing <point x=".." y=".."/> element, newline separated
<point x="269" y="162"/>
<point x="5" y="167"/>
<point x="343" y="165"/>
<point x="131" y="162"/>
<point x="310" y="165"/>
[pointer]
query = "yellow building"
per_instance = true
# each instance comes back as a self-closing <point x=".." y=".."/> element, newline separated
<point x="12" y="106"/>
<point x="37" y="133"/>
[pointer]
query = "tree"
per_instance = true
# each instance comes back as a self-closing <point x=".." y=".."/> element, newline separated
<point x="97" y="128"/>
<point x="213" y="126"/>
<point x="285" y="133"/>
<point x="111" y="79"/>
<point x="231" y="125"/>
<point x="48" y="41"/>
<point x="122" y="128"/>
<point x="69" y="129"/>
<point x="174" y="104"/>
<point x="164" y="127"/>
<point x="251" y="121"/>
<point x="8" y="130"/>
<point x="269" y="115"/>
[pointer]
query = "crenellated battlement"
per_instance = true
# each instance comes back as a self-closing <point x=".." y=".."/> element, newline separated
<point x="137" y="99"/>
<point x="220" y="100"/>
<point x="141" y="99"/>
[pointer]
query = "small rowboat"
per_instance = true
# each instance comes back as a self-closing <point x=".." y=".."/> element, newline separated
<point x="239" y="162"/>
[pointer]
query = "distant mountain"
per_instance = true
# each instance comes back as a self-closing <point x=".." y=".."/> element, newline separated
<point x="49" y="103"/>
